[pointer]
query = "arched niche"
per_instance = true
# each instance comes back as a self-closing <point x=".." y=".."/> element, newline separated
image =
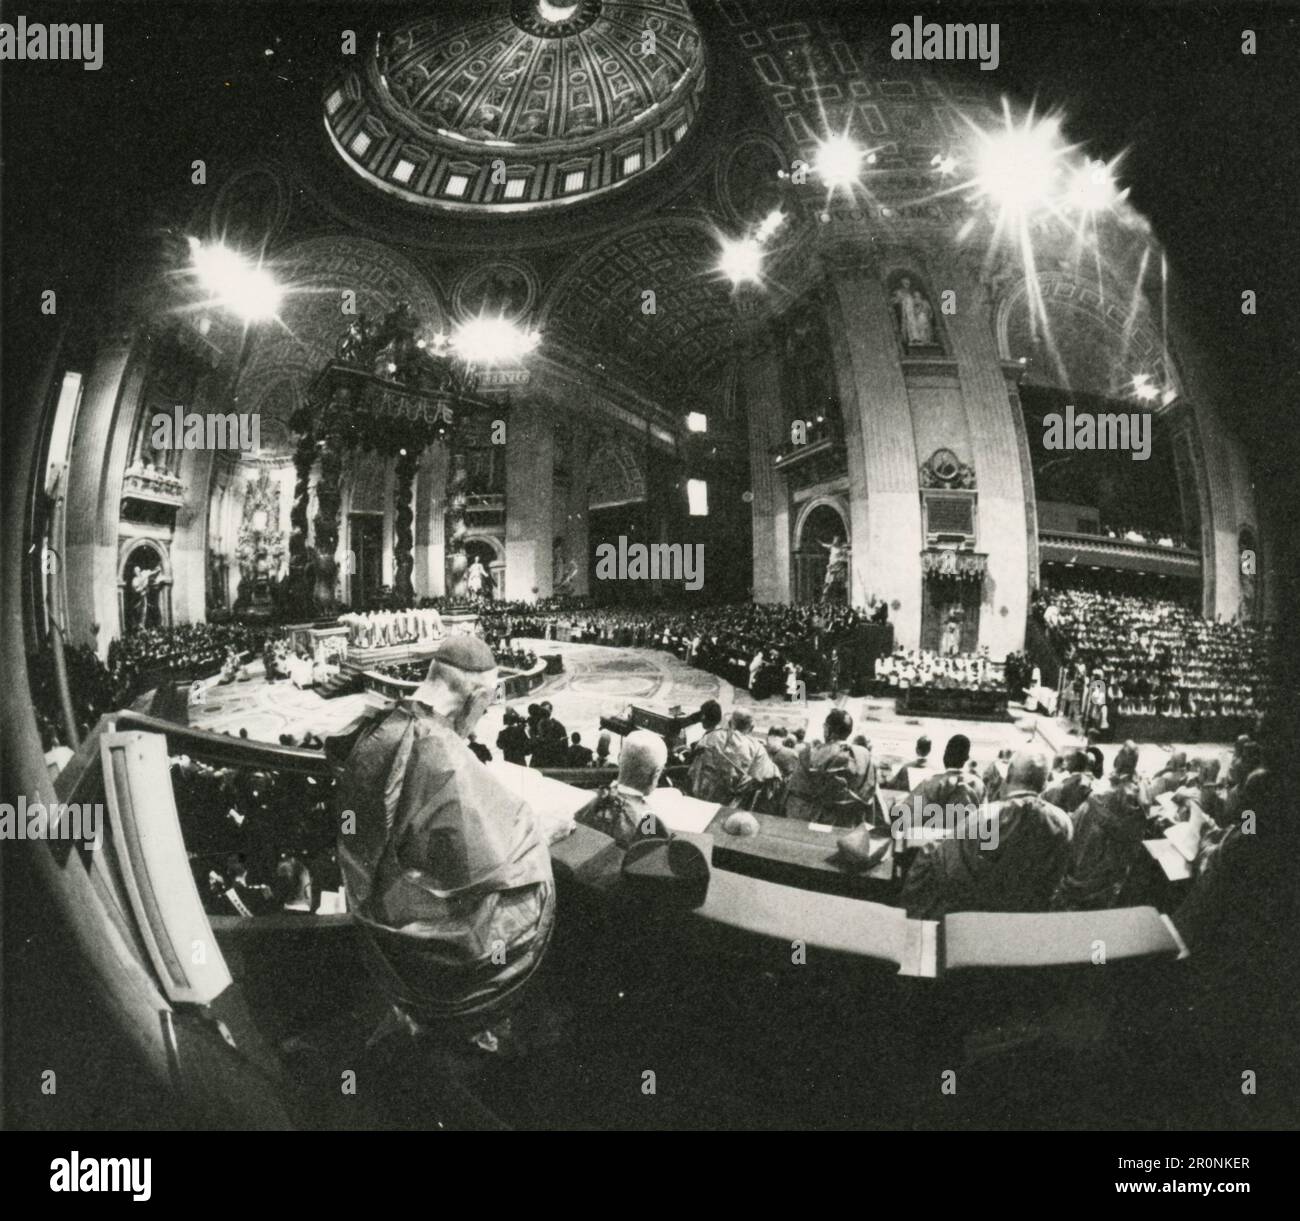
<point x="491" y="553"/>
<point x="915" y="311"/>
<point x="819" y="523"/>
<point x="143" y="606"/>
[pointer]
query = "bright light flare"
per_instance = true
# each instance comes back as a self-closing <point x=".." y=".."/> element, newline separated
<point x="772" y="222"/>
<point x="838" y="162"/>
<point x="741" y="260"/>
<point x="1019" y="167"/>
<point x="245" y="288"/>
<point x="492" y="340"/>
<point x="1092" y="188"/>
<point x="555" y="13"/>
<point x="1145" y="389"/>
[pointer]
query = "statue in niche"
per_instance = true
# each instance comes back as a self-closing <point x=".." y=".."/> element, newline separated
<point x="216" y="599"/>
<point x="144" y="596"/>
<point x="476" y="577"/>
<point x="837" y="567"/>
<point x="565" y="570"/>
<point x="913" y="315"/>
<point x="950" y="640"/>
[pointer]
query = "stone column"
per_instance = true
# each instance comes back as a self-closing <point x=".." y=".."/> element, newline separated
<point x="1210" y="450"/>
<point x="884" y="493"/>
<point x="100" y="454"/>
<point x="1189" y="494"/>
<point x="530" y="489"/>
<point x="576" y="534"/>
<point x="191" y="538"/>
<point x="430" y="489"/>
<point x="189" y="549"/>
<point x="1005" y="499"/>
<point x="765" y="419"/>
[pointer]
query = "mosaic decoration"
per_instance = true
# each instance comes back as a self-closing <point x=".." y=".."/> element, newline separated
<point x="495" y="288"/>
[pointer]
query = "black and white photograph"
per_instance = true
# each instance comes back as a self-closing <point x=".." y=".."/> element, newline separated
<point x="650" y="566"/>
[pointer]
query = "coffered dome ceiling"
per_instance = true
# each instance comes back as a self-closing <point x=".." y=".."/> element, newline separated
<point x="512" y="105"/>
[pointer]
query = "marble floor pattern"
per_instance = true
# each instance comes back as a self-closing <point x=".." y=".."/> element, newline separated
<point x="602" y="681"/>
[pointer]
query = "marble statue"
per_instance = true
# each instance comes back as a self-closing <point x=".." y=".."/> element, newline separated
<point x="915" y="315"/>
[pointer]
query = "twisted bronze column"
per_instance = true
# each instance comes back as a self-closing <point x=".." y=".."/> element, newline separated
<point x="304" y="458"/>
<point x="328" y="499"/>
<point x="456" y="528"/>
<point x="403" y="518"/>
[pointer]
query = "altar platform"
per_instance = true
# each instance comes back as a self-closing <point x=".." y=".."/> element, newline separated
<point x="333" y="640"/>
<point x="956" y="702"/>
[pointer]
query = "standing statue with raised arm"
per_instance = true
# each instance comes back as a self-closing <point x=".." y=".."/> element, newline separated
<point x="837" y="566"/>
<point x="143" y="582"/>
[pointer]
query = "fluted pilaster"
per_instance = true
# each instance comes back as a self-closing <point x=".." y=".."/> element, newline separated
<point x="771" y="503"/>
<point x="530" y="490"/>
<point x="996" y="456"/>
<point x="884" y="494"/>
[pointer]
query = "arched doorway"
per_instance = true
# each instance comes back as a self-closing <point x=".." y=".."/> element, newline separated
<point x="820" y="525"/>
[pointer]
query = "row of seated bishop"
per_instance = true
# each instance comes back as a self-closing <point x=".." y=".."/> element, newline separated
<point x="752" y="906"/>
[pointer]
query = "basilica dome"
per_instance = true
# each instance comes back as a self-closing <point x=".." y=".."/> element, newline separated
<point x="522" y="104"/>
